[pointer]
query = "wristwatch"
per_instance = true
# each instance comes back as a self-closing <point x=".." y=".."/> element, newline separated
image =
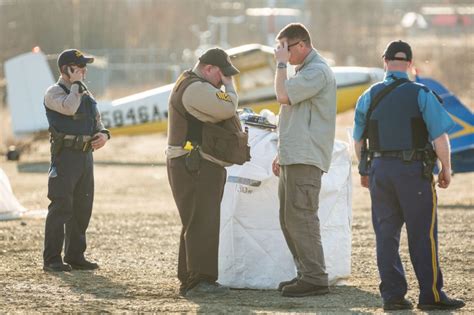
<point x="281" y="65"/>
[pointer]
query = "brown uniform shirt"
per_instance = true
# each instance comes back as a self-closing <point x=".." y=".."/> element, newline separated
<point x="208" y="104"/>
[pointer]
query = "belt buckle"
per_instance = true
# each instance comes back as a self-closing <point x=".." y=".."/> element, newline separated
<point x="78" y="142"/>
<point x="408" y="155"/>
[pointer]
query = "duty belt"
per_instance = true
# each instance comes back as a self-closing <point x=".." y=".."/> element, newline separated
<point x="403" y="155"/>
<point x="82" y="143"/>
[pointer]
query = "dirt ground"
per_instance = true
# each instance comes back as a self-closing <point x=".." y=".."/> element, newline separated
<point x="134" y="235"/>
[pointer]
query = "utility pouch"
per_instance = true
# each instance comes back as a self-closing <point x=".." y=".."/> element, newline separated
<point x="193" y="160"/>
<point x="226" y="141"/>
<point x="87" y="146"/>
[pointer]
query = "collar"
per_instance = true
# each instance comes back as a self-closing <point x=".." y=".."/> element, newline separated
<point x="64" y="82"/>
<point x="397" y="74"/>
<point x="309" y="58"/>
<point x="197" y="72"/>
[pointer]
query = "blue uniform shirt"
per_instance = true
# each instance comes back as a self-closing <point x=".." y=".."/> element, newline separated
<point x="436" y="118"/>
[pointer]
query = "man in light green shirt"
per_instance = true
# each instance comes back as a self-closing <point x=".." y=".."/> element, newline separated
<point x="306" y="137"/>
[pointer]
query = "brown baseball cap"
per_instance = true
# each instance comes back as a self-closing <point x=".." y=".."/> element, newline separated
<point x="218" y="57"/>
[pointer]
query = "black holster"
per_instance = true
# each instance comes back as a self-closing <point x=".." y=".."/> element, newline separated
<point x="57" y="141"/>
<point x="429" y="162"/>
<point x="364" y="163"/>
<point x="193" y="160"/>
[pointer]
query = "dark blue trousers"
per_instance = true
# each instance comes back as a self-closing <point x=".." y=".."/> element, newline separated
<point x="71" y="192"/>
<point x="401" y="195"/>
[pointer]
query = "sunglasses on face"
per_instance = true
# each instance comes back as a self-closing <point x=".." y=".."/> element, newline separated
<point x="294" y="44"/>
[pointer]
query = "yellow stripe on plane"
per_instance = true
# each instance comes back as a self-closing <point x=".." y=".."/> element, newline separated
<point x="138" y="129"/>
<point x="346" y="100"/>
<point x="467" y="128"/>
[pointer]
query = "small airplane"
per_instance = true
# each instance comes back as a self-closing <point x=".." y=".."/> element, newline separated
<point x="28" y="76"/>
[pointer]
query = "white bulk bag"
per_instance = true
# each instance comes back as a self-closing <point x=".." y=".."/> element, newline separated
<point x="252" y="250"/>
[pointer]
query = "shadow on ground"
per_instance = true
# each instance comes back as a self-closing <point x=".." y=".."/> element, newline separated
<point x="87" y="282"/>
<point x="253" y="301"/>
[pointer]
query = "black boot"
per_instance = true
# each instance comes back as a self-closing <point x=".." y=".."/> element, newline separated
<point x="446" y="304"/>
<point x="397" y="304"/>
<point x="301" y="288"/>
<point x="56" y="267"/>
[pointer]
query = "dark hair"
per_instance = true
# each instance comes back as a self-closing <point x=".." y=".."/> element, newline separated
<point x="295" y="31"/>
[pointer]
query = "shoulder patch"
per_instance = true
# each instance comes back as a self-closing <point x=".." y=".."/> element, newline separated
<point x="223" y="96"/>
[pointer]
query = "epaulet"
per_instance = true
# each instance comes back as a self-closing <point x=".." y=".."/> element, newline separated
<point x="428" y="90"/>
<point x="421" y="85"/>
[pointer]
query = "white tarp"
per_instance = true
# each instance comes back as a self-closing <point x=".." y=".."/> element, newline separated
<point x="252" y="250"/>
<point x="10" y="208"/>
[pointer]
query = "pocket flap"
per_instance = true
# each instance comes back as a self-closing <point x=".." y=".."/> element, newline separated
<point x="306" y="181"/>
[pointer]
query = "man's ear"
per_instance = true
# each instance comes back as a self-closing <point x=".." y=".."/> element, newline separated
<point x="207" y="68"/>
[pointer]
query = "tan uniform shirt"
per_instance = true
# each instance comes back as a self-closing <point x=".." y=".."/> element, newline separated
<point x="307" y="126"/>
<point x="67" y="104"/>
<point x="208" y="104"/>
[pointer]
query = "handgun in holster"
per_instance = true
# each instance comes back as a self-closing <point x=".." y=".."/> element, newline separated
<point x="193" y="160"/>
<point x="57" y="141"/>
<point x="364" y="162"/>
<point x="429" y="162"/>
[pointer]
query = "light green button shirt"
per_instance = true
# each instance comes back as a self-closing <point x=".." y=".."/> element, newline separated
<point x="307" y="126"/>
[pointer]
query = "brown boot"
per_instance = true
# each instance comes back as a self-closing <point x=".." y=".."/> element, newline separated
<point x="301" y="288"/>
<point x="285" y="283"/>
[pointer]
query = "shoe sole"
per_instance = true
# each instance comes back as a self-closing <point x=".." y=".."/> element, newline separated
<point x="311" y="293"/>
<point x="398" y="307"/>
<point x="76" y="267"/>
<point x="47" y="269"/>
<point x="438" y="307"/>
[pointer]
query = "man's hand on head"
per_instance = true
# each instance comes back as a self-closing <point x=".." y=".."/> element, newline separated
<point x="281" y="52"/>
<point x="75" y="74"/>
<point x="225" y="80"/>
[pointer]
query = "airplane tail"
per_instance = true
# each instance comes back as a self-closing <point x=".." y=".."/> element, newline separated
<point x="28" y="76"/>
<point x="461" y="137"/>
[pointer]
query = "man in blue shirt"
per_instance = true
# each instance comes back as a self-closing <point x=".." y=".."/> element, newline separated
<point x="401" y="129"/>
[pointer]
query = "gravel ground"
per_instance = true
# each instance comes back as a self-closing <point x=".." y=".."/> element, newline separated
<point x="134" y="235"/>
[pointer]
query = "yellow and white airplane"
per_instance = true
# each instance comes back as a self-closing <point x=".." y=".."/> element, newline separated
<point x="28" y="76"/>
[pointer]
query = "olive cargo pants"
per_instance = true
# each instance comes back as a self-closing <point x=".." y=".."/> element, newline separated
<point x="299" y="202"/>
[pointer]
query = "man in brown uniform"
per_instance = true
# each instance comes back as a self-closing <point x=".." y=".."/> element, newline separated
<point x="197" y="99"/>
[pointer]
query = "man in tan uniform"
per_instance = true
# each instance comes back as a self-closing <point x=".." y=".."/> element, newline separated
<point x="197" y="98"/>
<point x="306" y="137"/>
